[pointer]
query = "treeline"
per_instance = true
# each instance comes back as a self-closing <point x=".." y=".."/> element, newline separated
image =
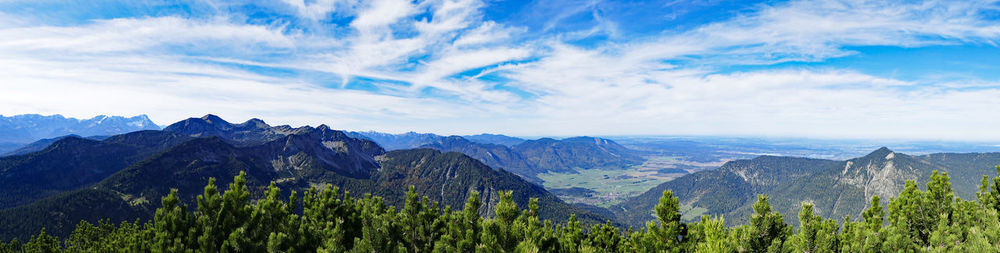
<point x="931" y="220"/>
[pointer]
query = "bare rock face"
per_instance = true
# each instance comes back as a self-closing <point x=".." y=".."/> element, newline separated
<point x="878" y="173"/>
<point x="884" y="172"/>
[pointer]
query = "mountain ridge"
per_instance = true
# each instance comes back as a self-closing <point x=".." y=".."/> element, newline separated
<point x="837" y="188"/>
<point x="19" y="130"/>
<point x="304" y="158"/>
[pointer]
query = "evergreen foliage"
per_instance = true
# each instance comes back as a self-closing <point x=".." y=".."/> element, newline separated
<point x="931" y="220"/>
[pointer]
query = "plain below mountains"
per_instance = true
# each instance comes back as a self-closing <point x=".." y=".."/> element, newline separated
<point x="123" y="177"/>
<point x="837" y="188"/>
<point x="20" y="130"/>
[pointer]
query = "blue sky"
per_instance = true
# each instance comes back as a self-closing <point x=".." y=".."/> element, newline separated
<point x="820" y="69"/>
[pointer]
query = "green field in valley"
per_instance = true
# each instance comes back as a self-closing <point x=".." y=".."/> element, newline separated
<point x="611" y="186"/>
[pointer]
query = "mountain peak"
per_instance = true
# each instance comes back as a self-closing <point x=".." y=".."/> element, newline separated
<point x="255" y="122"/>
<point x="881" y="153"/>
<point x="212" y="118"/>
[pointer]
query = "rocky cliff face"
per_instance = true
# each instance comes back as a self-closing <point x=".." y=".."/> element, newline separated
<point x="884" y="172"/>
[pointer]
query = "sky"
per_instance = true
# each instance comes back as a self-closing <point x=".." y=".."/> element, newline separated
<point x="816" y="69"/>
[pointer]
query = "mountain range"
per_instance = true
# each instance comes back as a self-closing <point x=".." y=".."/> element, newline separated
<point x="411" y="140"/>
<point x="123" y="177"/>
<point x="837" y="188"/>
<point x="19" y="130"/>
<point x="526" y="158"/>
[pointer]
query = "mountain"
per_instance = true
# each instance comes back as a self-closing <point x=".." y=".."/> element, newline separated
<point x="569" y="154"/>
<point x="128" y="174"/>
<point x="449" y="177"/>
<point x="60" y="213"/>
<point x="18" y="130"/>
<point x="407" y="140"/>
<point x="415" y="140"/>
<point x="494" y="139"/>
<point x="251" y="132"/>
<point x="75" y="162"/>
<point x="495" y="155"/>
<point x="532" y="157"/>
<point x="527" y="158"/>
<point x="837" y="188"/>
<point x="44" y="143"/>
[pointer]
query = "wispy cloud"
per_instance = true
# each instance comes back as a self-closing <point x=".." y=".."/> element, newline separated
<point x="446" y="66"/>
<point x="130" y="35"/>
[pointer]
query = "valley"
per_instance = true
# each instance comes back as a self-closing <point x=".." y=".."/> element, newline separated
<point x="607" y="187"/>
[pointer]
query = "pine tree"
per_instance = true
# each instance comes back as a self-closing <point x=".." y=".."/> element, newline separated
<point x="208" y="219"/>
<point x="43" y="243"/>
<point x="715" y="236"/>
<point x="669" y="233"/>
<point x="815" y="234"/>
<point x="498" y="233"/>
<point x="767" y="231"/>
<point x="174" y="226"/>
<point x="918" y="221"/>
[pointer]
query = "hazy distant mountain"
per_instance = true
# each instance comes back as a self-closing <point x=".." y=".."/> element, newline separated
<point x="495" y="155"/>
<point x="397" y="141"/>
<point x="43" y="143"/>
<point x="837" y="188"/>
<point x="415" y="140"/>
<point x="494" y="139"/>
<point x="532" y="157"/>
<point x="568" y="154"/>
<point x="124" y="176"/>
<point x="18" y="130"/>
<point x="527" y="158"/>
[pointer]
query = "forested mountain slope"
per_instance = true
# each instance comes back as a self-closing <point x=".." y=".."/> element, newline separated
<point x="837" y="188"/>
<point x="74" y="162"/>
<point x="131" y="178"/>
<point x="494" y="139"/>
<point x="494" y="155"/>
<point x="230" y="220"/>
<point x="578" y="152"/>
<point x="526" y="158"/>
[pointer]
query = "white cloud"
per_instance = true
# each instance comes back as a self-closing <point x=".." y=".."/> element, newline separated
<point x="381" y="13"/>
<point x="488" y="32"/>
<point x="316" y="10"/>
<point x="815" y="30"/>
<point x="178" y="90"/>
<point x="127" y="34"/>
<point x="665" y="83"/>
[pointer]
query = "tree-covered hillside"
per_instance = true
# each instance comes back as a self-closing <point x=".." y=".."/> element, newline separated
<point x="125" y="175"/>
<point x="526" y="158"/>
<point x="74" y="162"/>
<point x="325" y="220"/>
<point x="837" y="188"/>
